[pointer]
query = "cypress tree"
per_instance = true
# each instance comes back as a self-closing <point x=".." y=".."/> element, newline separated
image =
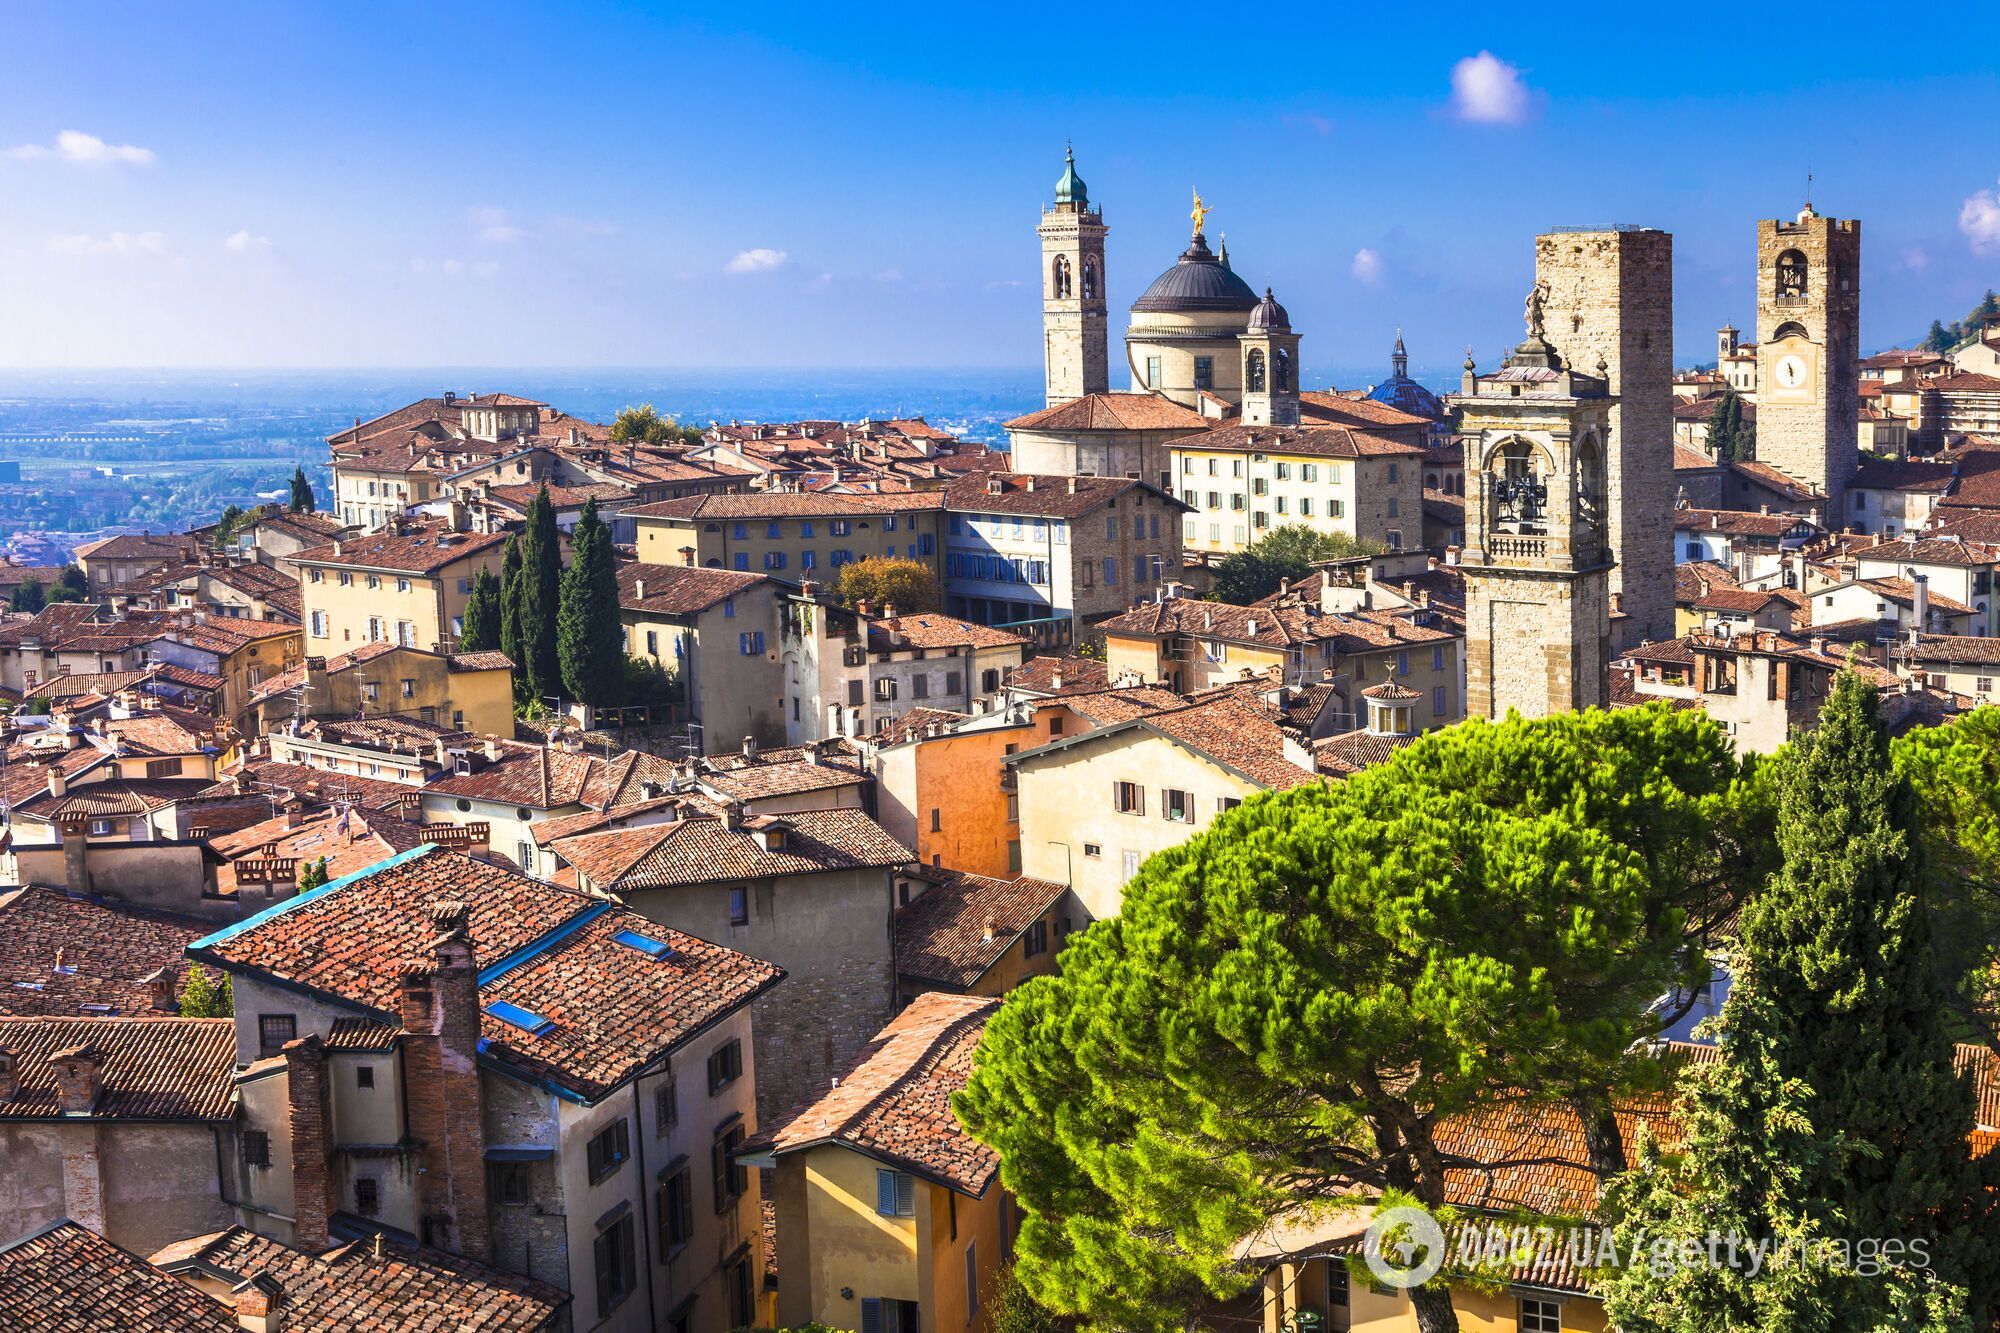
<point x="302" y="492"/>
<point x="540" y="600"/>
<point x="590" y="640"/>
<point x="1725" y="428"/>
<point x="482" y="614"/>
<point x="1835" y="1113"/>
<point x="510" y="612"/>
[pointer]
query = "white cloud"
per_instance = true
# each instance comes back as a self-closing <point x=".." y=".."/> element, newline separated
<point x="243" y="242"/>
<point x="760" y="260"/>
<point x="1979" y="219"/>
<point x="1486" y="89"/>
<point x="1367" y="267"/>
<point x="495" y="225"/>
<point x="112" y="243"/>
<point x="888" y="275"/>
<point x="76" y="146"/>
<point x="1916" y="259"/>
<point x="1311" y="120"/>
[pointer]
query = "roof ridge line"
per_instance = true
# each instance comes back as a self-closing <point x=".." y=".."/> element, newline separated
<point x="313" y="895"/>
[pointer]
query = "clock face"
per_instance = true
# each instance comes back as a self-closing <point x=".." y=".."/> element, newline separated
<point x="1791" y="370"/>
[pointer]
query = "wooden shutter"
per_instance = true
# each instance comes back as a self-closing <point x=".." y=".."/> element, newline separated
<point x="871" y="1314"/>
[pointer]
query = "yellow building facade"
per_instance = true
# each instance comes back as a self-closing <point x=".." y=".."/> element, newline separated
<point x="796" y="537"/>
<point x="405" y="587"/>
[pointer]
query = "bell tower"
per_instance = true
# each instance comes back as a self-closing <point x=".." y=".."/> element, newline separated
<point x="1538" y="554"/>
<point x="1270" y="352"/>
<point x="1075" y="327"/>
<point x="1809" y="352"/>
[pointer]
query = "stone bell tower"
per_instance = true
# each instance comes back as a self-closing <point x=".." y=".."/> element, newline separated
<point x="1270" y="352"/>
<point x="1075" y="325"/>
<point x="1809" y="352"/>
<point x="1538" y="556"/>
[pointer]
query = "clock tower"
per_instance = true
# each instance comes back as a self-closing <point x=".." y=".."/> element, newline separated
<point x="1075" y="323"/>
<point x="1538" y="532"/>
<point x="1809" y="352"/>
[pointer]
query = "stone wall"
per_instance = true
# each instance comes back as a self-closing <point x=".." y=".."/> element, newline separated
<point x="1810" y="435"/>
<point x="1610" y="295"/>
<point x="1537" y="646"/>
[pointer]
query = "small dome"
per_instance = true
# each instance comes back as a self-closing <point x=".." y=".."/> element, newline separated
<point x="1270" y="315"/>
<point x="1197" y="282"/>
<point x="1071" y="189"/>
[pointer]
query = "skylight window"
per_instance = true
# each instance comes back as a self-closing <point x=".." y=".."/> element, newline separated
<point x="645" y="944"/>
<point x="514" y="1015"/>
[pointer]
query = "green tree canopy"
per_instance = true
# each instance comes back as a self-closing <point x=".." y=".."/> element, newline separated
<point x="231" y="516"/>
<point x="510" y="612"/>
<point x="590" y="639"/>
<point x="886" y="580"/>
<point x="302" y="501"/>
<point x="1939" y="339"/>
<point x="28" y="595"/>
<point x="312" y="875"/>
<point x="540" y="599"/>
<point x="482" y="614"/>
<point x="72" y="585"/>
<point x="644" y="425"/>
<point x="1284" y="554"/>
<point x="1729" y="436"/>
<point x="205" y="996"/>
<point x="1835" y="1113"/>
<point x="1290" y="1003"/>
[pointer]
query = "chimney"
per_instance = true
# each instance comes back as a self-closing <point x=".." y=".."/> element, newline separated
<point x="1920" y="599"/>
<point x="732" y="816"/>
<point x="439" y="1006"/>
<point x="991" y="927"/>
<point x="888" y="610"/>
<point x="313" y="1199"/>
<point x="258" y="1304"/>
<point x="1714" y="521"/>
<point x="750" y="748"/>
<point x="1055" y="679"/>
<point x="58" y="784"/>
<point x="639" y="589"/>
<point x="10" y="1076"/>
<point x="159" y="984"/>
<point x="492" y="749"/>
<point x="79" y="1078"/>
<point x="1072" y="485"/>
<point x="1028" y="482"/>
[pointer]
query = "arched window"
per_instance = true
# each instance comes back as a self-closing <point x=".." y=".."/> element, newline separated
<point x="1281" y="370"/>
<point x="1791" y="275"/>
<point x="1059" y="278"/>
<point x="1590" y="483"/>
<point x="1518" y="488"/>
<point x="1253" y="372"/>
<point x="1089" y="279"/>
<point x="1789" y="329"/>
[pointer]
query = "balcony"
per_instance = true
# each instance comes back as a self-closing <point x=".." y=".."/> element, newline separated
<point x="1517" y="548"/>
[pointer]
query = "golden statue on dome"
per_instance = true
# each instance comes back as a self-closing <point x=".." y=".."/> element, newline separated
<point x="1200" y="213"/>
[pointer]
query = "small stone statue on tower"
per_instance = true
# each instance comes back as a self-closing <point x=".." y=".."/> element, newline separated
<point x="1532" y="311"/>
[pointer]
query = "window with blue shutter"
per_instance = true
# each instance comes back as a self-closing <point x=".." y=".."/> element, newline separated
<point x="895" y="1193"/>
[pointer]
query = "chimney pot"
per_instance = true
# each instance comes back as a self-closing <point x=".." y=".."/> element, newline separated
<point x="79" y="1078"/>
<point x="258" y="1304"/>
<point x="10" y="1076"/>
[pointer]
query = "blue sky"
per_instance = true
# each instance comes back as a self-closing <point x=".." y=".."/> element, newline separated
<point x="634" y="185"/>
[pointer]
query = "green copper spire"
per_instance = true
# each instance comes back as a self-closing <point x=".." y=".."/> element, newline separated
<point x="1070" y="189"/>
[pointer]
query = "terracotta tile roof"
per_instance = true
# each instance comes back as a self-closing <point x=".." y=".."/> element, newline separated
<point x="1113" y="411"/>
<point x="361" y="1034"/>
<point x="1744" y="600"/>
<point x="138" y="546"/>
<point x="1766" y="475"/>
<point x="1969" y="526"/>
<point x="155" y="1068"/>
<point x="912" y="725"/>
<point x="1236" y="736"/>
<point x="1348" y="753"/>
<point x="1904" y="591"/>
<point x="291" y="678"/>
<point x="894" y="1102"/>
<point x="1929" y="550"/>
<point x="105" y="951"/>
<point x="1342" y="410"/>
<point x="613" y="1007"/>
<point x="76" y="684"/>
<point x="424" y="549"/>
<point x="1966" y="382"/>
<point x="701" y="849"/>
<point x="1692" y="578"/>
<point x="644" y="811"/>
<point x="1044" y="496"/>
<point x="1692" y="460"/>
<point x="1038" y="675"/>
<point x="954" y="930"/>
<point x="787" y="504"/>
<point x="931" y="629"/>
<point x="223" y="635"/>
<point x="1736" y="522"/>
<point x="317" y="784"/>
<point x="162" y="732"/>
<point x="563" y="497"/>
<point x="490" y="659"/>
<point x="536" y="776"/>
<point x="1120" y="703"/>
<point x="349" y="844"/>
<point x="1307" y="440"/>
<point x="1279" y="625"/>
<point x="67" y="1279"/>
<point x="787" y="771"/>
<point x="680" y="590"/>
<point x="1968" y="649"/>
<point x="112" y="797"/>
<point x="352" y="1286"/>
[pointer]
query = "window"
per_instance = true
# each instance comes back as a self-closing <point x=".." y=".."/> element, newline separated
<point x="1224" y="804"/>
<point x="1540" y="1316"/>
<point x="883" y="1315"/>
<point x="409" y="688"/>
<point x="839" y="527"/>
<point x="774" y="559"/>
<point x="367" y="1195"/>
<point x="273" y="1031"/>
<point x="739" y="906"/>
<point x="1176" y="806"/>
<point x="951" y="682"/>
<point x="751" y="644"/>
<point x="1308" y="472"/>
<point x="1153" y="380"/>
<point x="1437" y="658"/>
<point x="163" y="768"/>
<point x="885" y="688"/>
<point x="676" y="1202"/>
<point x="1204" y="372"/>
<point x="1110" y="571"/>
<point x="1983" y="685"/>
<point x="1438" y="702"/>
<point x="1092" y="850"/>
<point x="1129" y="863"/>
<point x="1036" y="940"/>
<point x="1392" y="472"/>
<point x="256" y="1148"/>
<point x="617" y="1265"/>
<point x="920" y="687"/>
<point x="725" y="1065"/>
<point x="743" y="562"/>
<point x="1128" y="798"/>
<point x="319" y="624"/>
<point x="895" y="1194"/>
<point x="730" y="1179"/>
<point x="971" y="1278"/>
<point x="608" y="1149"/>
<point x="374" y="580"/>
<point x="364" y="1076"/>
<point x="666" y="1108"/>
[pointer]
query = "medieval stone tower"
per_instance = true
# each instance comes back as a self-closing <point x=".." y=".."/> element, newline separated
<point x="1537" y="560"/>
<point x="1809" y="352"/>
<point x="1609" y="295"/>
<point x="1075" y="327"/>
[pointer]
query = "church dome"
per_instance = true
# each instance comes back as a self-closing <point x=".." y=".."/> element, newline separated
<point x="1070" y="189"/>
<point x="1270" y="315"/>
<point x="1197" y="282"/>
<point x="1405" y="394"/>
